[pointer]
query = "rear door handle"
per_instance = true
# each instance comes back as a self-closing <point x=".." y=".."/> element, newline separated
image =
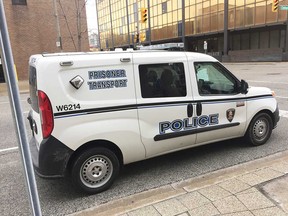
<point x="189" y="110"/>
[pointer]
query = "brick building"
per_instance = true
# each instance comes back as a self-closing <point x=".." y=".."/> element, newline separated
<point x="32" y="28"/>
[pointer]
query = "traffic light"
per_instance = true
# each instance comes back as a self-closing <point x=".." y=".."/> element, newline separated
<point x="144" y="15"/>
<point x="275" y="4"/>
<point x="142" y="37"/>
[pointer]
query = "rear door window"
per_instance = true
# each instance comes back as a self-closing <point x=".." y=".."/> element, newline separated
<point x="162" y="80"/>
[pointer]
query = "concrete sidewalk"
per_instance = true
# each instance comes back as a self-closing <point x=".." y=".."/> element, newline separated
<point x="22" y="84"/>
<point x="256" y="188"/>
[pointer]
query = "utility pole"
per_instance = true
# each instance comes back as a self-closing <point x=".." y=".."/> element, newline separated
<point x="59" y="39"/>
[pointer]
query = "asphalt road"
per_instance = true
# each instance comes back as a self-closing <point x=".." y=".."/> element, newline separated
<point x="58" y="197"/>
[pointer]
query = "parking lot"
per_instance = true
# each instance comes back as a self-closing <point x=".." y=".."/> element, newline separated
<point x="58" y="196"/>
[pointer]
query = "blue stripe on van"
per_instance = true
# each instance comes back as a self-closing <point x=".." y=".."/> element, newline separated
<point x="152" y="105"/>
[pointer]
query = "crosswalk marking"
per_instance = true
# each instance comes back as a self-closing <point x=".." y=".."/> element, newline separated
<point x="283" y="113"/>
<point x="8" y="149"/>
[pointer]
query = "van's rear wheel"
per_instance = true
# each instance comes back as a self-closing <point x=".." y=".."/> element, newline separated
<point x="95" y="170"/>
<point x="259" y="130"/>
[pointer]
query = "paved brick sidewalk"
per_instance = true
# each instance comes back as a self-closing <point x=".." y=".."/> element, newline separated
<point x="257" y="188"/>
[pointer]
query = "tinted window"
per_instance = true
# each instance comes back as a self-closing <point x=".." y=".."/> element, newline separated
<point x="214" y="79"/>
<point x="19" y="2"/>
<point x="162" y="80"/>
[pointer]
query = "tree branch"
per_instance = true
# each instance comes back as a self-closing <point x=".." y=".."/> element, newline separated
<point x="67" y="24"/>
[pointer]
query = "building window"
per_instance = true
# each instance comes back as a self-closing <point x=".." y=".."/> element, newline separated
<point x="130" y="19"/>
<point x="135" y="7"/>
<point x="19" y="2"/>
<point x="123" y="20"/>
<point x="164" y="7"/>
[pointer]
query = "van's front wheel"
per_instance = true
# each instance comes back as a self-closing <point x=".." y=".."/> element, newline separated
<point x="259" y="130"/>
<point x="95" y="170"/>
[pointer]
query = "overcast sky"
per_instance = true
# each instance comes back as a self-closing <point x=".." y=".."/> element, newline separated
<point x="91" y="16"/>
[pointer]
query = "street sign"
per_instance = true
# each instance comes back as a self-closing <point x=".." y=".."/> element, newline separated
<point x="283" y="7"/>
<point x="205" y="45"/>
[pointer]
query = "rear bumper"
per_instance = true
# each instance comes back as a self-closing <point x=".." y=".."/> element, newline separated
<point x="52" y="157"/>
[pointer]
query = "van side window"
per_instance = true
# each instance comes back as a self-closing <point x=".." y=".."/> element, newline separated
<point x="214" y="79"/>
<point x="162" y="80"/>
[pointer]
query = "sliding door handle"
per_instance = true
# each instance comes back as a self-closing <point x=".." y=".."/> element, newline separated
<point x="199" y="109"/>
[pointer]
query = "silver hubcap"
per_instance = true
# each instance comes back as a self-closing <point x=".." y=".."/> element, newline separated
<point x="260" y="129"/>
<point x="96" y="171"/>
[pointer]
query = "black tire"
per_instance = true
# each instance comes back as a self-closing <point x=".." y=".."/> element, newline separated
<point x="95" y="170"/>
<point x="259" y="130"/>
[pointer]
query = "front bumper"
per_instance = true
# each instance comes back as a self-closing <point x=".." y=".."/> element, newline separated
<point x="52" y="157"/>
<point x="276" y="117"/>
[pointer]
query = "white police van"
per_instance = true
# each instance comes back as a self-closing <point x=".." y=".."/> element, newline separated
<point x="94" y="112"/>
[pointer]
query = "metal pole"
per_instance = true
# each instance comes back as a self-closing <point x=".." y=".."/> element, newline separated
<point x="149" y="22"/>
<point x="111" y="24"/>
<point x="225" y="28"/>
<point x="98" y="25"/>
<point x="183" y="24"/>
<point x="138" y="22"/>
<point x="286" y="43"/>
<point x="59" y="40"/>
<point x="10" y="77"/>
<point x="137" y="27"/>
<point x="128" y="27"/>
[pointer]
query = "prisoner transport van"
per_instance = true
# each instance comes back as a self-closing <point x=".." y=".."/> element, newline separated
<point x="91" y="113"/>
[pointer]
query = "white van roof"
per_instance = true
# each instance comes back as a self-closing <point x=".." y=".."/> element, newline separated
<point x="145" y="53"/>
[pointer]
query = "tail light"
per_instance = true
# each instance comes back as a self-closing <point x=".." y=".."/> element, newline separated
<point x="46" y="112"/>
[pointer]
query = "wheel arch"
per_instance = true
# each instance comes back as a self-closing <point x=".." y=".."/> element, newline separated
<point x="258" y="135"/>
<point x="92" y="144"/>
<point x="267" y="111"/>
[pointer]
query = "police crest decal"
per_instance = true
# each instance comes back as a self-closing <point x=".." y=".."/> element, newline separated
<point x="230" y="113"/>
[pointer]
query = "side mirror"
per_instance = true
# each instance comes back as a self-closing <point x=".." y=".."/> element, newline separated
<point x="244" y="87"/>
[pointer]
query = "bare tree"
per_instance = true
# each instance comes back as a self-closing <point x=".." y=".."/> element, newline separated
<point x="75" y="34"/>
